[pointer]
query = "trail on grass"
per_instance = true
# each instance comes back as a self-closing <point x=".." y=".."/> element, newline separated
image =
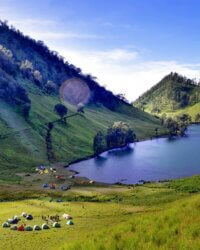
<point x="17" y="123"/>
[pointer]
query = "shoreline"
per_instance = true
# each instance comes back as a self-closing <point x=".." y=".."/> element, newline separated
<point x="95" y="155"/>
<point x="121" y="183"/>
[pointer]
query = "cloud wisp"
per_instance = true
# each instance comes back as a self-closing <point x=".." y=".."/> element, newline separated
<point x="122" y="72"/>
<point x="62" y="35"/>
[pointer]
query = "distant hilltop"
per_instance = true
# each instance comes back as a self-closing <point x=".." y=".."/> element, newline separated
<point x="173" y="95"/>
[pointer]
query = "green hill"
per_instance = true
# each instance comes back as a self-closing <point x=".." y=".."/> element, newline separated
<point x="30" y="78"/>
<point x="173" y="95"/>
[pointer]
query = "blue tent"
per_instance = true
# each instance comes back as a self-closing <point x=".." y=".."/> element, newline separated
<point x="29" y="217"/>
<point x="64" y="188"/>
<point x="41" y="168"/>
<point x="45" y="185"/>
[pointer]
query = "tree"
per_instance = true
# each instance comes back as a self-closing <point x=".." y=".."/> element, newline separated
<point x="26" y="110"/>
<point x="163" y="118"/>
<point x="98" y="143"/>
<point x="184" y="118"/>
<point x="50" y="87"/>
<point x="172" y="126"/>
<point x="156" y="131"/>
<point x="80" y="108"/>
<point x="197" y="117"/>
<point x="61" y="110"/>
<point x="119" y="135"/>
<point x="179" y="125"/>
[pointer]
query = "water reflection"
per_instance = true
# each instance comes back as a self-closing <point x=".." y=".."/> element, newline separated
<point x="147" y="160"/>
<point x="121" y="152"/>
<point x="100" y="160"/>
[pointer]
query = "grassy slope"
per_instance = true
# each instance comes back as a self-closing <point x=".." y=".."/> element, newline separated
<point x="161" y="97"/>
<point x="191" y="110"/>
<point x="25" y="150"/>
<point x="153" y="216"/>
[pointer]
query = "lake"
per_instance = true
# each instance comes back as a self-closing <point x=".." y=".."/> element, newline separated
<point x="150" y="160"/>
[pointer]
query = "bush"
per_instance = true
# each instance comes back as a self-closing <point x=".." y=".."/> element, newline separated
<point x="119" y="134"/>
<point x="26" y="110"/>
<point x="50" y="87"/>
<point x="61" y="110"/>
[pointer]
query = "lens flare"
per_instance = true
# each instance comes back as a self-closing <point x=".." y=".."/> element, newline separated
<point x="75" y="91"/>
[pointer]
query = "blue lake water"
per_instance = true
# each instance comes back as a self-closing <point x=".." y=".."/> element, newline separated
<point x="150" y="160"/>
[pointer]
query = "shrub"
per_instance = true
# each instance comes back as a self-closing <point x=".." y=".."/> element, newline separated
<point x="61" y="110"/>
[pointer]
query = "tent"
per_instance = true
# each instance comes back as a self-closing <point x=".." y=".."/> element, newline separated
<point x="59" y="177"/>
<point x="24" y="214"/>
<point x="28" y="228"/>
<point x="29" y="217"/>
<point x="14" y="227"/>
<point x="53" y="170"/>
<point x="20" y="228"/>
<point x="64" y="188"/>
<point x="46" y="171"/>
<point x="10" y="221"/>
<point x="41" y="168"/>
<point x="70" y="222"/>
<point x="52" y="186"/>
<point x="45" y="185"/>
<point x="45" y="226"/>
<point x="13" y="221"/>
<point x="56" y="225"/>
<point x="36" y="228"/>
<point x="67" y="216"/>
<point x="5" y="224"/>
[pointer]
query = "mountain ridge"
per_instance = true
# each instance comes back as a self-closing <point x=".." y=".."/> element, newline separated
<point x="173" y="95"/>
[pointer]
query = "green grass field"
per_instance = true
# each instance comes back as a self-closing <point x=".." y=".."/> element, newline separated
<point x="190" y="110"/>
<point x="152" y="216"/>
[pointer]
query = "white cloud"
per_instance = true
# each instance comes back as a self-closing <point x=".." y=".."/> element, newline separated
<point x="32" y="22"/>
<point x="122" y="72"/>
<point x="44" y="29"/>
<point x="62" y="35"/>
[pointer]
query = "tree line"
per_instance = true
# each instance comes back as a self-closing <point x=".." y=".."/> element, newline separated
<point x="48" y="69"/>
<point x="118" y="135"/>
<point x="176" y="125"/>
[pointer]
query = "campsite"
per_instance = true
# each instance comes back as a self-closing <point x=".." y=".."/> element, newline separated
<point x="99" y="125"/>
<point x="108" y="217"/>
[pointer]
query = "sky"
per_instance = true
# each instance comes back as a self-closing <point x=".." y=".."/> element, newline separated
<point x="128" y="45"/>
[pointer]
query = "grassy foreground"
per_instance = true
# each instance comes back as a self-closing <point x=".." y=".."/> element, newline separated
<point x="152" y="216"/>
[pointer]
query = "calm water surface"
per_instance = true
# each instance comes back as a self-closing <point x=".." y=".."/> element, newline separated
<point x="148" y="160"/>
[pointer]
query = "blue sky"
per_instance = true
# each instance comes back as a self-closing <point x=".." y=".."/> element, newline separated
<point x="129" y="45"/>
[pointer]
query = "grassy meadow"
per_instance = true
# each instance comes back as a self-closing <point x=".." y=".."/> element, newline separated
<point x="192" y="110"/>
<point x="150" y="216"/>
